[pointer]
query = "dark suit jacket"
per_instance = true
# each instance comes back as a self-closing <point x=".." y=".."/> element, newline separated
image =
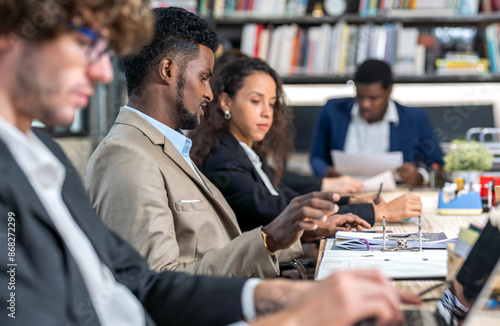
<point x="414" y="135"/>
<point x="49" y="289"/>
<point x="230" y="169"/>
<point x="301" y="184"/>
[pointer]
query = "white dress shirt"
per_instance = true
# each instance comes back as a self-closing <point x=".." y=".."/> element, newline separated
<point x="257" y="164"/>
<point x="372" y="138"/>
<point x="112" y="301"/>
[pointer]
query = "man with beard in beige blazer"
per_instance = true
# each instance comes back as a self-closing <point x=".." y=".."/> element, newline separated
<point x="143" y="184"/>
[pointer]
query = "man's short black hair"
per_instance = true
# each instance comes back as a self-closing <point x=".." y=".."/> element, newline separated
<point x="374" y="71"/>
<point x="178" y="33"/>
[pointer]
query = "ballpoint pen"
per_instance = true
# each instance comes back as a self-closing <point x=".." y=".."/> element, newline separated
<point x="420" y="233"/>
<point x="373" y="231"/>
<point x="383" y="226"/>
<point x="378" y="195"/>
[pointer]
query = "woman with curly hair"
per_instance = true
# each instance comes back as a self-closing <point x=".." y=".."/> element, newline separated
<point x="248" y="121"/>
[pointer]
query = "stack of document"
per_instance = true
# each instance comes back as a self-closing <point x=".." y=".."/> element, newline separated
<point x="395" y="264"/>
<point x="367" y="241"/>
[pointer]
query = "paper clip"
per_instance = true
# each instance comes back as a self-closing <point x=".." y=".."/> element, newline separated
<point x="402" y="244"/>
<point x="366" y="242"/>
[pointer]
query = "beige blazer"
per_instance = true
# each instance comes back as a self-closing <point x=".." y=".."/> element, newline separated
<point x="145" y="191"/>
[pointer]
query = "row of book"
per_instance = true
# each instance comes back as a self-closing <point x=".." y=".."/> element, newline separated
<point x="334" y="49"/>
<point x="298" y="8"/>
<point x="492" y="35"/>
<point x="253" y="8"/>
<point x="423" y="8"/>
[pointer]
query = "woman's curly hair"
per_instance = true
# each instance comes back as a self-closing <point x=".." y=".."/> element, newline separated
<point x="130" y="22"/>
<point x="278" y="143"/>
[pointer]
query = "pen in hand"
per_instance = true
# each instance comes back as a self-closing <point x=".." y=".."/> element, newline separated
<point x="378" y="195"/>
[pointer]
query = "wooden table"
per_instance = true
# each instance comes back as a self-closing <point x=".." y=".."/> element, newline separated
<point x="431" y="222"/>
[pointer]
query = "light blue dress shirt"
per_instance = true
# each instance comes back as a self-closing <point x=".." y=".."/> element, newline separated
<point x="181" y="143"/>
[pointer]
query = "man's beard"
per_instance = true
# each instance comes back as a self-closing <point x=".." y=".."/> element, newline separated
<point x="188" y="121"/>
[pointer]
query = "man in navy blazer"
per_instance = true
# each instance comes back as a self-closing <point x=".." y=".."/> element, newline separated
<point x="373" y="123"/>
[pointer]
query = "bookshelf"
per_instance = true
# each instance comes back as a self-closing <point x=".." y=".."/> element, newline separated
<point x="353" y="18"/>
<point x="429" y="79"/>
<point x="231" y="27"/>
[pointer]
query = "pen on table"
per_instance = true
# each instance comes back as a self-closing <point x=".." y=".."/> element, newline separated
<point x="378" y="195"/>
<point x="383" y="226"/>
<point x="373" y="231"/>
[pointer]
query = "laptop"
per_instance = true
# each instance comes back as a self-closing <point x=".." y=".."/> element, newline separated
<point x="486" y="309"/>
<point x="461" y="294"/>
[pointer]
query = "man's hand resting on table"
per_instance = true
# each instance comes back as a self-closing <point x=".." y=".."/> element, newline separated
<point x="410" y="175"/>
<point x="342" y="299"/>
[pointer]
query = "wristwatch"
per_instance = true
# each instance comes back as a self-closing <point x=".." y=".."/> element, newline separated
<point x="264" y="237"/>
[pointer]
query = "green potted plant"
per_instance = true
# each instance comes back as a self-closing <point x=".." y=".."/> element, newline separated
<point x="467" y="159"/>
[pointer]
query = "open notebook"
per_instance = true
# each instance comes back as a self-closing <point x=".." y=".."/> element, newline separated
<point x="460" y="296"/>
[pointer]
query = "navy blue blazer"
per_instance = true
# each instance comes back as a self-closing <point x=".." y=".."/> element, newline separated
<point x="230" y="170"/>
<point x="48" y="286"/>
<point x="414" y="135"/>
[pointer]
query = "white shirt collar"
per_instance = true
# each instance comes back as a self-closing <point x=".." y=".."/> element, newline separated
<point x="250" y="152"/>
<point x="36" y="159"/>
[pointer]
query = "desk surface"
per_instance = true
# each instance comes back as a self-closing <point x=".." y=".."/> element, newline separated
<point x="431" y="222"/>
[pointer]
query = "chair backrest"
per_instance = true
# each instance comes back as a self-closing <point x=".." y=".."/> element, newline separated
<point x="489" y="137"/>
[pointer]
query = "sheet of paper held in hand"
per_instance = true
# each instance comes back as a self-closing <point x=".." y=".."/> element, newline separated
<point x="366" y="165"/>
<point x="429" y="263"/>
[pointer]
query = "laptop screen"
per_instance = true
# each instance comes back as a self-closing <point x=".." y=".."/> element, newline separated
<point x="460" y="296"/>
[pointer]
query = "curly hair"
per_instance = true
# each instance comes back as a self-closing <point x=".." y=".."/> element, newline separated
<point x="178" y="34"/>
<point x="230" y="79"/>
<point x="129" y="21"/>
